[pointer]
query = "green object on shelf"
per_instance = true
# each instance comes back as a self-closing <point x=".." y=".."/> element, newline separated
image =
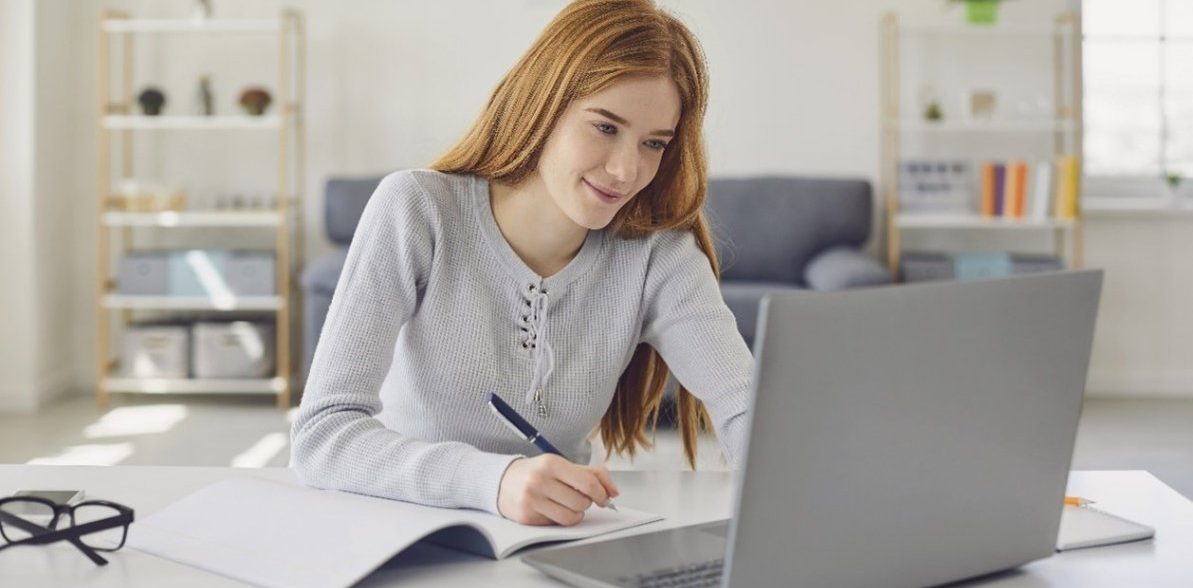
<point x="983" y="12"/>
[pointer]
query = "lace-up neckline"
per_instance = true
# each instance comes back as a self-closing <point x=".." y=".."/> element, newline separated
<point x="537" y="292"/>
<point x="534" y="338"/>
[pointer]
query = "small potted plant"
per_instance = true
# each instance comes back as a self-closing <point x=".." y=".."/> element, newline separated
<point x="255" y="101"/>
<point x="151" y="100"/>
<point x="980" y="12"/>
<point x="1173" y="179"/>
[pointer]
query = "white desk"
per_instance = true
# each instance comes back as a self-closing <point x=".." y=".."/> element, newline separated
<point x="683" y="497"/>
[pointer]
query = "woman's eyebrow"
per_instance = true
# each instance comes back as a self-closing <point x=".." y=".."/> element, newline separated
<point x="622" y="121"/>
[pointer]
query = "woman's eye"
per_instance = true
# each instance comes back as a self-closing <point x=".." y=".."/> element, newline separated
<point x="656" y="144"/>
<point x="606" y="128"/>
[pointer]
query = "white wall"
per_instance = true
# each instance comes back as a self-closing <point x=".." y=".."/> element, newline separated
<point x="16" y="203"/>
<point x="391" y="84"/>
<point x="37" y="246"/>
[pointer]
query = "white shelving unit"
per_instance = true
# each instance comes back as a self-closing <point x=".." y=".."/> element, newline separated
<point x="970" y="221"/>
<point x="152" y="25"/>
<point x="196" y="386"/>
<point x="213" y="219"/>
<point x="1064" y="127"/>
<point x="192" y="123"/>
<point x="228" y="303"/>
<point x="118" y="124"/>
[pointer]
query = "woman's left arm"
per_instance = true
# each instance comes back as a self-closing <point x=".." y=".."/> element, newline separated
<point x="685" y="319"/>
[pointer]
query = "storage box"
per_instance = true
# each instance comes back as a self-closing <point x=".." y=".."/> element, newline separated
<point x="251" y="273"/>
<point x="218" y="272"/>
<point x="155" y="351"/>
<point x="237" y="349"/>
<point x="922" y="266"/>
<point x="144" y="273"/>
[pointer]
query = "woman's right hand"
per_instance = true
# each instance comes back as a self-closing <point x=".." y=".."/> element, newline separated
<point x="550" y="490"/>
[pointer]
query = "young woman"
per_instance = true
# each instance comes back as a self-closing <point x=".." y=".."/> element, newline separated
<point x="558" y="256"/>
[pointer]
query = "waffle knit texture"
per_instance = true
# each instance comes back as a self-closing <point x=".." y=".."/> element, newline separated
<point x="434" y="310"/>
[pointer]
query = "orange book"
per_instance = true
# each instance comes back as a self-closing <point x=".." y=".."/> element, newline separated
<point x="1018" y="185"/>
<point x="987" y="194"/>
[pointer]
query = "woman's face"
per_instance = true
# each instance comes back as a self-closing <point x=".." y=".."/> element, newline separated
<point x="607" y="146"/>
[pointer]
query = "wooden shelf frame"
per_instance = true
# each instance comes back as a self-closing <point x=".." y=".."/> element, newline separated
<point x="1066" y="123"/>
<point x="118" y="34"/>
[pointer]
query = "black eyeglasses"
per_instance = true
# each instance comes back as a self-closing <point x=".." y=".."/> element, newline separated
<point x="95" y="525"/>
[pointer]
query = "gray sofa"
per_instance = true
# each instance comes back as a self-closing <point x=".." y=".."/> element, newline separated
<point x="772" y="234"/>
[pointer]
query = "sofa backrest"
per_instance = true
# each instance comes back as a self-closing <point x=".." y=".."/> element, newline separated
<point x="767" y="228"/>
<point x="344" y="202"/>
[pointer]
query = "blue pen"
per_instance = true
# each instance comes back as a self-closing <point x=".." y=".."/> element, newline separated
<point x="506" y="414"/>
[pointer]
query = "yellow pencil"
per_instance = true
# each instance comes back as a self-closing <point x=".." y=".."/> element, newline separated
<point x="1077" y="501"/>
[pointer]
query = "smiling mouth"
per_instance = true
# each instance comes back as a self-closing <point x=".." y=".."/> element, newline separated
<point x="606" y="194"/>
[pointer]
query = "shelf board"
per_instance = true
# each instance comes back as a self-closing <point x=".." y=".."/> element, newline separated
<point x="215" y="25"/>
<point x="196" y="385"/>
<point x="192" y="218"/>
<point x="973" y="221"/>
<point x="122" y="301"/>
<point x="995" y="30"/>
<point x="993" y="126"/>
<point x="192" y="122"/>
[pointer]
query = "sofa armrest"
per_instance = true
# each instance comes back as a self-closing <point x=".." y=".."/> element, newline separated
<point x="839" y="268"/>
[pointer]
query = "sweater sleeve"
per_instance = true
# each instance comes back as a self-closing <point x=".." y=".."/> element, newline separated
<point x="336" y="441"/>
<point x="687" y="322"/>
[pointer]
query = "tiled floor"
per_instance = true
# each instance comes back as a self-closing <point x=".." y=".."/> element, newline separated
<point x="1155" y="435"/>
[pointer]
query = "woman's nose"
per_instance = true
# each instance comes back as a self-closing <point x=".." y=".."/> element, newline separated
<point x="623" y="166"/>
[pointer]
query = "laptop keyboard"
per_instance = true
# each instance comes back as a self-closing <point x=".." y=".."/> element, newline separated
<point x="699" y="574"/>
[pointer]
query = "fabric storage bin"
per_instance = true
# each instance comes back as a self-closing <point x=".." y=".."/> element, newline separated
<point x="198" y="272"/>
<point x="236" y="349"/>
<point x="920" y="266"/>
<point x="251" y="273"/>
<point x="144" y="273"/>
<point x="155" y="351"/>
<point x="220" y="272"/>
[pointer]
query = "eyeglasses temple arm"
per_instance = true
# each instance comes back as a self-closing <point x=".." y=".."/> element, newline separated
<point x="42" y="536"/>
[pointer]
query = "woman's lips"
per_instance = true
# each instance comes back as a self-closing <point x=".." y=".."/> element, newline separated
<point x="604" y="196"/>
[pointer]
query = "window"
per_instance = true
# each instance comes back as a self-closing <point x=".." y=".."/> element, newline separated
<point x="1138" y="94"/>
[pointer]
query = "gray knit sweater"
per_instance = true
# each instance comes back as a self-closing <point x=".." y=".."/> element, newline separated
<point x="434" y="310"/>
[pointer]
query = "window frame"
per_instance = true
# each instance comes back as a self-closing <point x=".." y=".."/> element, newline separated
<point x="1114" y="192"/>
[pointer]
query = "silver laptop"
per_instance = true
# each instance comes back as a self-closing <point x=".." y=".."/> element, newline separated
<point x="900" y="436"/>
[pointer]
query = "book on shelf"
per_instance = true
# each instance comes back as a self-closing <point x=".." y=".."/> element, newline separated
<point x="1041" y="193"/>
<point x="1016" y="189"/>
<point x="988" y="189"/>
<point x="1012" y="189"/>
<point x="1000" y="188"/>
<point x="1068" y="181"/>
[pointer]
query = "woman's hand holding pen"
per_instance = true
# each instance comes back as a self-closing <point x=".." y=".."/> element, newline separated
<point x="550" y="490"/>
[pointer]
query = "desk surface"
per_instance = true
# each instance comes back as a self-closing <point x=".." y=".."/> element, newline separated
<point x="683" y="497"/>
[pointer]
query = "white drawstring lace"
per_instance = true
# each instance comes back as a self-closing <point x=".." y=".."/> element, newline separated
<point x="536" y="339"/>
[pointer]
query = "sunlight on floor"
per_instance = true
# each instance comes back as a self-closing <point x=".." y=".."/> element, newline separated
<point x="262" y="451"/>
<point x="136" y="420"/>
<point x="100" y="455"/>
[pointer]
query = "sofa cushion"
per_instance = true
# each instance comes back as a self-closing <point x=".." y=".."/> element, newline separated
<point x="844" y="267"/>
<point x="345" y="200"/>
<point x="767" y="228"/>
<point x="321" y="276"/>
<point x="743" y="297"/>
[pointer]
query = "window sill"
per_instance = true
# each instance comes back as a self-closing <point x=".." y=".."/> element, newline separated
<point x="1139" y="207"/>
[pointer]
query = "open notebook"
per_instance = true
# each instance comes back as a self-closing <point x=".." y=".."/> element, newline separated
<point x="286" y="535"/>
<point x="1086" y="526"/>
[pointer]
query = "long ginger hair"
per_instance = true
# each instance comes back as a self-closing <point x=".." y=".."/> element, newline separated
<point x="590" y="45"/>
